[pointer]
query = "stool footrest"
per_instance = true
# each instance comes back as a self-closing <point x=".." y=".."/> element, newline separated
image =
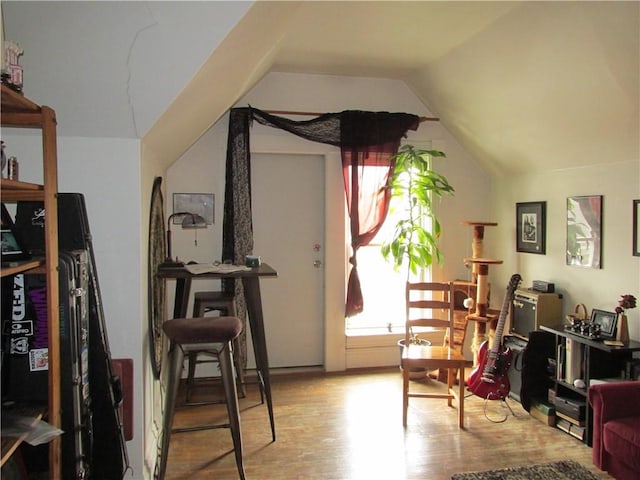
<point x="202" y="403"/>
<point x="201" y="427"/>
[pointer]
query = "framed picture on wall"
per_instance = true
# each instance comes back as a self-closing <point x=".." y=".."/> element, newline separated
<point x="531" y="227"/>
<point x="199" y="203"/>
<point x="636" y="228"/>
<point x="584" y="231"/>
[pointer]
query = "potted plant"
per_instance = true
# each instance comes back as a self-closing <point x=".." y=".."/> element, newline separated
<point x="414" y="186"/>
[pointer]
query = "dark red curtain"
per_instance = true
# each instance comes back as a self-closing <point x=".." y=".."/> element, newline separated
<point x="368" y="139"/>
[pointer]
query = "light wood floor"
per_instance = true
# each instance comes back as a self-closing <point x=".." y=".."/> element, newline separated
<point x="349" y="426"/>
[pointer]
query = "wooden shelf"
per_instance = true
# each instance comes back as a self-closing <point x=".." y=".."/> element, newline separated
<point x="20" y="112"/>
<point x="11" y="443"/>
<point x="12" y="185"/>
<point x="22" y="267"/>
<point x="14" y="191"/>
<point x="14" y="102"/>
<point x="597" y="360"/>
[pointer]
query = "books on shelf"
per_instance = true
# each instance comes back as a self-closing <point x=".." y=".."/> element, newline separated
<point x="560" y="362"/>
<point x="570" y="428"/>
<point x="574" y="421"/>
<point x="632" y="369"/>
<point x="573" y="360"/>
<point x="543" y="411"/>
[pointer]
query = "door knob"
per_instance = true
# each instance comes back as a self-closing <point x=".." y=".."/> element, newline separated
<point x="317" y="263"/>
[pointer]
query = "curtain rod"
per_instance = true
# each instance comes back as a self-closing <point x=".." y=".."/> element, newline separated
<point x="315" y="114"/>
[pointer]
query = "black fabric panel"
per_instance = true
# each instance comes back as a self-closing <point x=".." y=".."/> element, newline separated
<point x="535" y="377"/>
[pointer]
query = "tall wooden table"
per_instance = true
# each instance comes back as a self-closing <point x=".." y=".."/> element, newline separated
<point x="251" y="283"/>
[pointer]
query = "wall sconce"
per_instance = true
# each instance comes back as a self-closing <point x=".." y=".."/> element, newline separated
<point x="189" y="220"/>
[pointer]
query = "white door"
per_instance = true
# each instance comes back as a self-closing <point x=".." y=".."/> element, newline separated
<point x="288" y="229"/>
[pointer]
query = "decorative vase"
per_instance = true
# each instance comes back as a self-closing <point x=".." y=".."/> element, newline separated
<point x="622" y="328"/>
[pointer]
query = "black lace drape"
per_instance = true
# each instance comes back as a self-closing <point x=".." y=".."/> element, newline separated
<point x="364" y="138"/>
<point x="237" y="229"/>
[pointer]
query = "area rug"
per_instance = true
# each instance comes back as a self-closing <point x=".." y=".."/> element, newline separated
<point x="565" y="470"/>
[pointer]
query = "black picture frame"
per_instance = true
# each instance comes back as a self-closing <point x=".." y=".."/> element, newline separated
<point x="606" y="320"/>
<point x="531" y="220"/>
<point x="636" y="228"/>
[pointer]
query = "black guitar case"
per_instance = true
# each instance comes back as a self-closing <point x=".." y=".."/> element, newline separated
<point x="27" y="360"/>
<point x="108" y="457"/>
<point x="74" y="357"/>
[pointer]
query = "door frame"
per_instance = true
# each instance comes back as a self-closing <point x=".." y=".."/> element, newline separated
<point x="335" y="254"/>
<point x="287" y="192"/>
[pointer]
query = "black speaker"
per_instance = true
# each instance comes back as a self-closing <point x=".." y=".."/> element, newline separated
<point x="517" y="347"/>
<point x="535" y="375"/>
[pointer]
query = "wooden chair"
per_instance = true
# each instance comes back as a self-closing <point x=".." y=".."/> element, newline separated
<point x="426" y="305"/>
<point x="462" y="290"/>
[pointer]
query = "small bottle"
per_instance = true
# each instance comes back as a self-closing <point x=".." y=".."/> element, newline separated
<point x="12" y="168"/>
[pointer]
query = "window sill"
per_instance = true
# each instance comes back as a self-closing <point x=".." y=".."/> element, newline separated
<point x="379" y="337"/>
<point x="373" y="331"/>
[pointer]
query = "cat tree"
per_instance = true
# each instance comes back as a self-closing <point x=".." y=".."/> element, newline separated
<point x="482" y="315"/>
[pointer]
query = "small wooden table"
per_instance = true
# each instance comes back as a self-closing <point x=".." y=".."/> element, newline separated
<point x="251" y="283"/>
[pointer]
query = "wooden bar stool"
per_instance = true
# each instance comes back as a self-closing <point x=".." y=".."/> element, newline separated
<point x="224" y="303"/>
<point x="213" y="334"/>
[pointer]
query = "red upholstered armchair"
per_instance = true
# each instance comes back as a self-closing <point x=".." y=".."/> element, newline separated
<point x="616" y="428"/>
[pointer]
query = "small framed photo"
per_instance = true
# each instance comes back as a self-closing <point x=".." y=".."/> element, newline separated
<point x="636" y="228"/>
<point x="199" y="203"/>
<point x="531" y="227"/>
<point x="607" y="322"/>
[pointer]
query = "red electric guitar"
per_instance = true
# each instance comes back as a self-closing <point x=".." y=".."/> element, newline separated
<point x="489" y="379"/>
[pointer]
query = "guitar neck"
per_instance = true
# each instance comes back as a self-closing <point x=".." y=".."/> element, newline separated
<point x="511" y="288"/>
<point x="501" y="322"/>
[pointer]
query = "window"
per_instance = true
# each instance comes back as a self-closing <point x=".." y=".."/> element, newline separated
<point x="383" y="289"/>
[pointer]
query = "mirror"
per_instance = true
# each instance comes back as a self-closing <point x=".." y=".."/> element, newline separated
<point x="156" y="286"/>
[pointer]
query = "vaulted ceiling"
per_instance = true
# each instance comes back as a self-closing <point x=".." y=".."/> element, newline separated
<point x="524" y="86"/>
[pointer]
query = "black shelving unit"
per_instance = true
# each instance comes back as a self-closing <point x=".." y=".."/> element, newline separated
<point x="598" y="361"/>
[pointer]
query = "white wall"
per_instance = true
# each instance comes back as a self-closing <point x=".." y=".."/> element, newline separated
<point x="106" y="172"/>
<point x="201" y="169"/>
<point x="619" y="184"/>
